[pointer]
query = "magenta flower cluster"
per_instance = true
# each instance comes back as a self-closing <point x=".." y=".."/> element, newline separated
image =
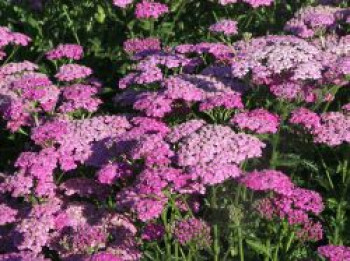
<point x="227" y="27"/>
<point x="294" y="204"/>
<point x="335" y="253"/>
<point x="149" y="9"/>
<point x="199" y="139"/>
<point x="69" y="51"/>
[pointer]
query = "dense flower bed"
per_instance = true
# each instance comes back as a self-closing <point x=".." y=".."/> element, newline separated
<point x="174" y="130"/>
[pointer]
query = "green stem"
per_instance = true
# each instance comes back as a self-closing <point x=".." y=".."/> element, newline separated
<point x="240" y="243"/>
<point x="345" y="173"/>
<point x="237" y="221"/>
<point x="216" y="243"/>
<point x="274" y="155"/>
<point x="71" y="24"/>
<point x="176" y="251"/>
<point x="275" y="256"/>
<point x="14" y="51"/>
<point x="338" y="220"/>
<point x="268" y="245"/>
<point x="326" y="170"/>
<point x="216" y="246"/>
<point x="167" y="234"/>
<point x="151" y="27"/>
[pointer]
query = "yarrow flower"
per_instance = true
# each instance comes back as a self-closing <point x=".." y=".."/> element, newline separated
<point x="11" y="38"/>
<point x="223" y="100"/>
<point x="334" y="253"/>
<point x="74" y="142"/>
<point x="8" y="215"/>
<point x="194" y="231"/>
<point x="111" y="172"/>
<point x="79" y="97"/>
<point x="331" y="128"/>
<point x="25" y="93"/>
<point x="293" y="91"/>
<point x="217" y="144"/>
<point x="136" y="45"/>
<point x="153" y="232"/>
<point x="268" y="180"/>
<point x="334" y="129"/>
<point x="182" y="130"/>
<point x="147" y="9"/>
<point x="310" y="20"/>
<point x="122" y="3"/>
<point x="271" y="57"/>
<point x="14" y="68"/>
<point x="227" y="27"/>
<point x="288" y="202"/>
<point x="259" y="121"/>
<point x="305" y="117"/>
<point x="69" y="51"/>
<point x="71" y="72"/>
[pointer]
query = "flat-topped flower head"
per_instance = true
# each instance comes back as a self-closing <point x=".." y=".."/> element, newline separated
<point x="136" y="45"/>
<point x="153" y="232"/>
<point x="79" y="97"/>
<point x="7" y="37"/>
<point x="215" y="144"/>
<point x="270" y="57"/>
<point x="71" y="72"/>
<point x="20" y="67"/>
<point x="306" y="118"/>
<point x="310" y="20"/>
<point x="184" y="129"/>
<point x="122" y="3"/>
<point x="69" y="51"/>
<point x="334" y="129"/>
<point x="194" y="231"/>
<point x="227" y="27"/>
<point x="268" y="180"/>
<point x="334" y="253"/>
<point x="8" y="214"/>
<point x="147" y="9"/>
<point x="258" y="121"/>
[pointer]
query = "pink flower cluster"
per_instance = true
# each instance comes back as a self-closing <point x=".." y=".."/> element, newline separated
<point x="71" y="72"/>
<point x="192" y="230"/>
<point x="25" y="93"/>
<point x="69" y="51"/>
<point x="334" y="253"/>
<point x="184" y="89"/>
<point x="215" y="144"/>
<point x="122" y="3"/>
<point x="227" y="27"/>
<point x="11" y="38"/>
<point x="310" y="21"/>
<point x="259" y="121"/>
<point x="289" y="202"/>
<point x="137" y="45"/>
<point x="79" y="97"/>
<point x="149" y="9"/>
<point x="268" y="58"/>
<point x="331" y="128"/>
<point x="91" y="185"/>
